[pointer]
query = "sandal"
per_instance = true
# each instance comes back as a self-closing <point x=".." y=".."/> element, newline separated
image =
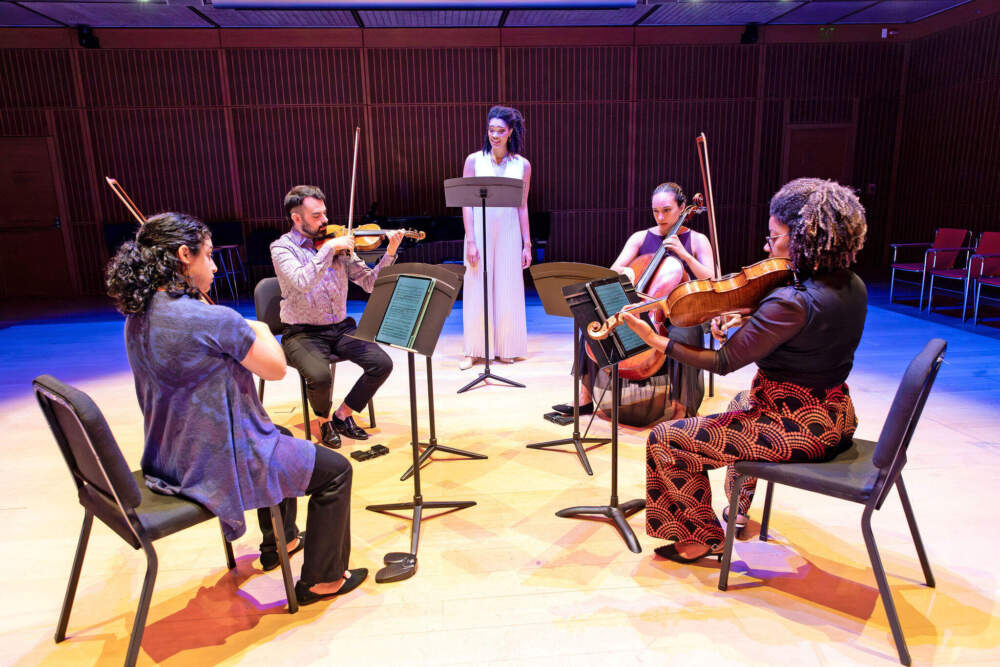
<point x="669" y="551"/>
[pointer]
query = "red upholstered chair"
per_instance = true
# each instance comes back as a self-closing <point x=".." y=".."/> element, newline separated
<point x="988" y="243"/>
<point x="984" y="268"/>
<point x="942" y="254"/>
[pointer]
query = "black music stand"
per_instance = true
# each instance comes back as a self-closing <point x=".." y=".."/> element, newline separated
<point x="485" y="191"/>
<point x="403" y="565"/>
<point x="550" y="279"/>
<point x="431" y="445"/>
<point x="606" y="354"/>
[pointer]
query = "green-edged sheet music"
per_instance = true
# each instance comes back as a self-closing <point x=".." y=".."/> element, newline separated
<point x="405" y="311"/>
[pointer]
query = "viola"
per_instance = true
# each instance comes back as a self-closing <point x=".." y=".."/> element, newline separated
<point x="366" y="237"/>
<point x="698" y="301"/>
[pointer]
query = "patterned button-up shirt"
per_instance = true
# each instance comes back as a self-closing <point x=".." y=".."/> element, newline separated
<point x="314" y="283"/>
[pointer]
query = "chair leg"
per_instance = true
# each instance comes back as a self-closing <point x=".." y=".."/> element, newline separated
<point x="371" y="414"/>
<point x="74" y="576"/>
<point x="278" y="526"/>
<point x="305" y="408"/>
<point x="930" y="296"/>
<point x="965" y="298"/>
<point x="727" y="554"/>
<point x="765" y="520"/>
<point x="917" y="542"/>
<point x="892" y="283"/>
<point x="923" y="278"/>
<point x="228" y="546"/>
<point x="139" y="625"/>
<point x="260" y="390"/>
<point x="883" y="586"/>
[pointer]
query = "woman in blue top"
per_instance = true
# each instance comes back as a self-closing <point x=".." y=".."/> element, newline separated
<point x="207" y="435"/>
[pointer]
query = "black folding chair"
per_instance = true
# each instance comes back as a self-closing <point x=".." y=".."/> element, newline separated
<point x="863" y="474"/>
<point x="120" y="498"/>
<point x="267" y="304"/>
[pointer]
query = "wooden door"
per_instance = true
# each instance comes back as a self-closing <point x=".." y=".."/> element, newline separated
<point x="33" y="257"/>
<point x="819" y="151"/>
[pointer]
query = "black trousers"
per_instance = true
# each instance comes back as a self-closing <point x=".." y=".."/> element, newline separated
<point x="328" y="524"/>
<point x="310" y="348"/>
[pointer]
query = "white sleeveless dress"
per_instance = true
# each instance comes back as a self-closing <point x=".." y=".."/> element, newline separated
<point x="508" y="330"/>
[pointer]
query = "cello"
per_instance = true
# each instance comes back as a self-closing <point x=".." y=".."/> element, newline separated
<point x="643" y="365"/>
<point x="698" y="301"/>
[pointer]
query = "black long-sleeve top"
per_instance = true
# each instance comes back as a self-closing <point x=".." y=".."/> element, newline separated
<point x="805" y="334"/>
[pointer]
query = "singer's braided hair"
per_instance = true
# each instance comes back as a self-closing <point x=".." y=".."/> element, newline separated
<point x="826" y="223"/>
<point x="144" y="265"/>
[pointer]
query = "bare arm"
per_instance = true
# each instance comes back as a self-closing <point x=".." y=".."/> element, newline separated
<point x="265" y="359"/>
<point x="701" y="262"/>
<point x="629" y="253"/>
<point x="522" y="216"/>
<point x="468" y="218"/>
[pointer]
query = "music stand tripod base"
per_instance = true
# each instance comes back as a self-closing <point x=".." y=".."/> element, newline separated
<point x="432" y="446"/>
<point x="617" y="514"/>
<point x="487" y="375"/>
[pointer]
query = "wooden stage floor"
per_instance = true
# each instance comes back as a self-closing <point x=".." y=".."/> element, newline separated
<point x="507" y="582"/>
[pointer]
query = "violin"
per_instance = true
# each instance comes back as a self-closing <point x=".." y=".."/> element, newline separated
<point x="698" y="301"/>
<point x="366" y="237"/>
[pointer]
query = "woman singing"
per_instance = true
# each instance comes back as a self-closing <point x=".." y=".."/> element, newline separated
<point x="802" y="338"/>
<point x="207" y="436"/>
<point x="508" y="243"/>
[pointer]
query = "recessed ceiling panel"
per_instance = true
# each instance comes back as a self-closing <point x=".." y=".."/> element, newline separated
<point x="13" y="16"/>
<point x="564" y="17"/>
<point x="818" y="13"/>
<point x="279" y="18"/>
<point x="116" y="15"/>
<point x="718" y="13"/>
<point x="430" y="18"/>
<point x="901" y="11"/>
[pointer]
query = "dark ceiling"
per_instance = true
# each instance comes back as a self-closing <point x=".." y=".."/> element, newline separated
<point x="202" y="14"/>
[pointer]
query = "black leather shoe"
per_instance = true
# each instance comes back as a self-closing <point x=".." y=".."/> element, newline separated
<point x="269" y="559"/>
<point x="567" y="409"/>
<point x="348" y="428"/>
<point x="328" y="435"/>
<point x="306" y="596"/>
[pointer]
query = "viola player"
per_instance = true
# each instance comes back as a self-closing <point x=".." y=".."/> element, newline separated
<point x="802" y="338"/>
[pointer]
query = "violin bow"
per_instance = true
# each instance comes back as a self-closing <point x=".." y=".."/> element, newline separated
<point x="129" y="204"/>
<point x="354" y="178"/>
<point x="117" y="188"/>
<point x="706" y="179"/>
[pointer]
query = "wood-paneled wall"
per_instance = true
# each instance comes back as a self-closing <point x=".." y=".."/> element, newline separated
<point x="223" y="131"/>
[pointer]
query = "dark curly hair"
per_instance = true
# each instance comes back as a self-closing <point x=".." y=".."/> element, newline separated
<point x="826" y="223"/>
<point x="514" y="120"/>
<point x="143" y="266"/>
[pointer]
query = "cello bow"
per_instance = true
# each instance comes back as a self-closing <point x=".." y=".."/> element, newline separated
<point x="706" y="179"/>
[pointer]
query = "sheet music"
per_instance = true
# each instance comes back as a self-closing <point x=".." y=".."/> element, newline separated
<point x="405" y="311"/>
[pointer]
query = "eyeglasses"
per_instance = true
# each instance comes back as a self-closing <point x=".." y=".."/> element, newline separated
<point x="769" y="240"/>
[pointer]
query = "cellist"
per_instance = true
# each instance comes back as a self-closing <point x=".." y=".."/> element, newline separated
<point x="689" y="257"/>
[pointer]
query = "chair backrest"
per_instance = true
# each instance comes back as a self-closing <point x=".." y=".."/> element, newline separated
<point x="267" y="304"/>
<point x="948" y="237"/>
<point x="989" y="244"/>
<point x="86" y="442"/>
<point x="907" y="405"/>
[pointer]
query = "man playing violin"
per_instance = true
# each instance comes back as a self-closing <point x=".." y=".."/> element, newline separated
<point x="689" y="257"/>
<point x="314" y="308"/>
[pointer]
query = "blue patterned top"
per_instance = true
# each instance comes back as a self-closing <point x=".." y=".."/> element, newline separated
<point x="207" y="435"/>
